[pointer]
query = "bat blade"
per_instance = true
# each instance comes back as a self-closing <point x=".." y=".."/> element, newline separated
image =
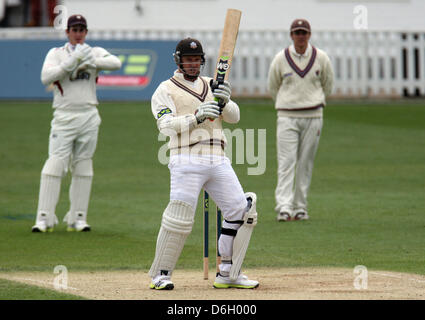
<point x="227" y="44"/>
<point x="227" y="48"/>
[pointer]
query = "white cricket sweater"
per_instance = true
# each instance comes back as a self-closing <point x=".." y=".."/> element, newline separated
<point x="173" y="105"/>
<point x="299" y="83"/>
<point x="80" y="93"/>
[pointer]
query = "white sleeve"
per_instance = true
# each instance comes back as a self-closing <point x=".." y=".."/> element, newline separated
<point x="105" y="60"/>
<point x="327" y="76"/>
<point x="164" y="111"/>
<point x="274" y="79"/>
<point x="231" y="112"/>
<point x="51" y="70"/>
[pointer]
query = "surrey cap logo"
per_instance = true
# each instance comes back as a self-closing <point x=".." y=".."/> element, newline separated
<point x="193" y="45"/>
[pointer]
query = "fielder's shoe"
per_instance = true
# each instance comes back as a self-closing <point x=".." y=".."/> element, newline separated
<point x="301" y="216"/>
<point x="44" y="222"/>
<point x="283" y="216"/>
<point x="41" y="226"/>
<point x="242" y="282"/>
<point x="78" y="226"/>
<point x="162" y="283"/>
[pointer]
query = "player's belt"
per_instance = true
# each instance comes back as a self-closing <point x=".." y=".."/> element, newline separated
<point x="210" y="142"/>
<point x="303" y="109"/>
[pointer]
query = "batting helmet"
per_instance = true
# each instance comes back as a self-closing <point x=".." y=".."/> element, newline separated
<point x="188" y="47"/>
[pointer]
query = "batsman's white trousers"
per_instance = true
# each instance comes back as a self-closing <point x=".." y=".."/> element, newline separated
<point x="297" y="143"/>
<point x="73" y="134"/>
<point x="189" y="174"/>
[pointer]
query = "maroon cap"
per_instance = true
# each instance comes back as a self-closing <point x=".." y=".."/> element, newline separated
<point x="300" y="24"/>
<point x="77" y="19"/>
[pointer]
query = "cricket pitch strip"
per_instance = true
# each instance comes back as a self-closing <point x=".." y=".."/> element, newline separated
<point x="275" y="284"/>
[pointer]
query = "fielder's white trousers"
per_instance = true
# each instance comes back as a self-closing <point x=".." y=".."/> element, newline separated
<point x="297" y="143"/>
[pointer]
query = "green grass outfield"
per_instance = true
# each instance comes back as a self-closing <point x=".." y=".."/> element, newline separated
<point x="366" y="202"/>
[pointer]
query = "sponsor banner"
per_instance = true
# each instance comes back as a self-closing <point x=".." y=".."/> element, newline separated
<point x="145" y="64"/>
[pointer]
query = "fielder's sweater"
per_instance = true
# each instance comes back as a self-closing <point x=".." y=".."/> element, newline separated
<point x="299" y="83"/>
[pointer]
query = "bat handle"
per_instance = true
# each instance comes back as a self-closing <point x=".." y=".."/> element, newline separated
<point x="214" y="85"/>
<point x="220" y="104"/>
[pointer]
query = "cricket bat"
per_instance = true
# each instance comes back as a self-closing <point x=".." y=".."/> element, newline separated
<point x="227" y="47"/>
<point x="222" y="71"/>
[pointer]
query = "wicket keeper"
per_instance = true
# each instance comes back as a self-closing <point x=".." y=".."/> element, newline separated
<point x="72" y="69"/>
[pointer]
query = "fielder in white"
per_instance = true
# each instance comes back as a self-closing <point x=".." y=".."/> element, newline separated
<point x="72" y="70"/>
<point x="300" y="77"/>
<point x="186" y="111"/>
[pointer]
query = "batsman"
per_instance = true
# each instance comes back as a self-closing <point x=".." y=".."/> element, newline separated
<point x="190" y="109"/>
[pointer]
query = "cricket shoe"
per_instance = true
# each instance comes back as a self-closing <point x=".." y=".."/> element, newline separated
<point x="41" y="226"/>
<point x="162" y="283"/>
<point x="79" y="226"/>
<point x="44" y="222"/>
<point x="242" y="282"/>
<point x="301" y="216"/>
<point x="283" y="216"/>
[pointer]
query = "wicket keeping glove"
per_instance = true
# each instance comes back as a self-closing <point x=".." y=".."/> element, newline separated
<point x="209" y="109"/>
<point x="221" y="92"/>
<point x="80" y="52"/>
<point x="87" y="63"/>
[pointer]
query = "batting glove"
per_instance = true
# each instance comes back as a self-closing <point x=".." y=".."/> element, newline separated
<point x="222" y="92"/>
<point x="209" y="109"/>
